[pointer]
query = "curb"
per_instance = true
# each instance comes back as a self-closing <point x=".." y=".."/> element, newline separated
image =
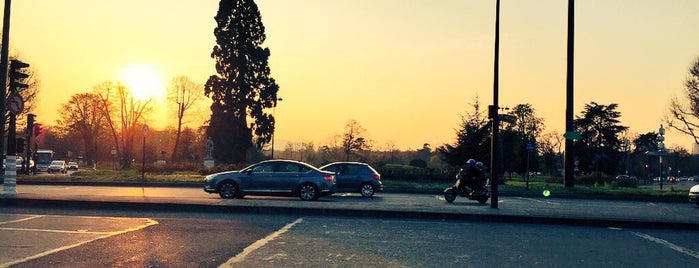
<point x="666" y="199"/>
<point x="371" y="213"/>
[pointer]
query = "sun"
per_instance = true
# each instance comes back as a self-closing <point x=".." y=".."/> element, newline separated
<point x="144" y="80"/>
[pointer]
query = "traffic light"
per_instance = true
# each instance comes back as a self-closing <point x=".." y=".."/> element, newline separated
<point x="17" y="75"/>
<point x="36" y="129"/>
<point x="20" y="145"/>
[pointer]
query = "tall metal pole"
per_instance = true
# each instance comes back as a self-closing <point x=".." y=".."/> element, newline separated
<point x="493" y="114"/>
<point x="569" y="157"/>
<point x="3" y="81"/>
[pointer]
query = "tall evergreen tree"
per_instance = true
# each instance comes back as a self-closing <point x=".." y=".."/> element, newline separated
<point x="472" y="139"/>
<point x="600" y="147"/>
<point x="242" y="88"/>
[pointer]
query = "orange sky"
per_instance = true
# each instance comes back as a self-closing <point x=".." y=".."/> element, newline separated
<point x="405" y="70"/>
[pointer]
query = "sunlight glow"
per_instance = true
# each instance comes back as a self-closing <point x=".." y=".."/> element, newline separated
<point x="144" y="80"/>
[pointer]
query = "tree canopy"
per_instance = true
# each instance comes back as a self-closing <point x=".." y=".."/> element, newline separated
<point x="242" y="89"/>
<point x="600" y="147"/>
<point x="685" y="111"/>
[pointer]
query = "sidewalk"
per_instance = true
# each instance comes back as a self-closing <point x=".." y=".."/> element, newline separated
<point x="589" y="212"/>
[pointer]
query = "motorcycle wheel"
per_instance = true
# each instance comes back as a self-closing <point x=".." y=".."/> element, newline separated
<point x="449" y="195"/>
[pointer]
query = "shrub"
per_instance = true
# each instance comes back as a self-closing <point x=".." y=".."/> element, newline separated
<point x="412" y="173"/>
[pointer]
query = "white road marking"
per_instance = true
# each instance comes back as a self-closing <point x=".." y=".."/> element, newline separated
<point x="21" y="220"/>
<point x="54" y="231"/>
<point x="259" y="243"/>
<point x="539" y="201"/>
<point x="149" y="222"/>
<point x="672" y="246"/>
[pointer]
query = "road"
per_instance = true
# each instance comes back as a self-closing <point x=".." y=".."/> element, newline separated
<point x="384" y="203"/>
<point x="31" y="237"/>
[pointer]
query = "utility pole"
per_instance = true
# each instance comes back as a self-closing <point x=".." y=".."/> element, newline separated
<point x="9" y="179"/>
<point x="569" y="156"/>
<point x="493" y="114"/>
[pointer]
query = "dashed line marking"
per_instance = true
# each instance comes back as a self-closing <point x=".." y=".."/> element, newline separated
<point x="672" y="246"/>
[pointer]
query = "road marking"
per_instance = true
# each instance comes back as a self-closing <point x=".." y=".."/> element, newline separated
<point x="21" y="220"/>
<point x="539" y="201"/>
<point x="55" y="231"/>
<point x="672" y="246"/>
<point x="259" y="243"/>
<point x="148" y="223"/>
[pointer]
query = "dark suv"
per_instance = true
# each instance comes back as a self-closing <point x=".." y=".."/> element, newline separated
<point x="355" y="177"/>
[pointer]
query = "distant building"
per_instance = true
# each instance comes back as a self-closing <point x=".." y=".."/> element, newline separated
<point x="695" y="151"/>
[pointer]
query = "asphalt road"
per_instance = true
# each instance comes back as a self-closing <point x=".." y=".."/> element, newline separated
<point x="384" y="204"/>
<point x="107" y="238"/>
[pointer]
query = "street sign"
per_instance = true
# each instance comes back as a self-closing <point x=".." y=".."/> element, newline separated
<point x="572" y="135"/>
<point x="15" y="103"/>
<point x="530" y="146"/>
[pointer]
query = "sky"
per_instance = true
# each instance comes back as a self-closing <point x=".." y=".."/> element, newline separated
<point x="406" y="70"/>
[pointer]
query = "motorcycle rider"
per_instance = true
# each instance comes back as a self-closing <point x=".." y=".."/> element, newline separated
<point x="467" y="176"/>
<point x="479" y="184"/>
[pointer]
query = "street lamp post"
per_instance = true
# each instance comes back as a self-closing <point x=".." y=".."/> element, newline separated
<point x="274" y="113"/>
<point x="143" y="156"/>
<point x="661" y="151"/>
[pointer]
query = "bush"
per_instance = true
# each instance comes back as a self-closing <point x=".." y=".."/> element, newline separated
<point x="411" y="173"/>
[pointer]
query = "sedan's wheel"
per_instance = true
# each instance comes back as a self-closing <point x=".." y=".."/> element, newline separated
<point x="308" y="192"/>
<point x="227" y="190"/>
<point x="367" y="190"/>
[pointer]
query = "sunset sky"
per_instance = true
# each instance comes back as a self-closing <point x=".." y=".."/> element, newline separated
<point x="406" y="70"/>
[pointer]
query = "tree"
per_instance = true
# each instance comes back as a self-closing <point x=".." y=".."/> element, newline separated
<point x="685" y="112"/>
<point x="600" y="146"/>
<point x="185" y="93"/>
<point x="353" y="139"/>
<point x="522" y="127"/>
<point x="123" y="114"/>
<point x="646" y="143"/>
<point x="82" y="118"/>
<point x="549" y="146"/>
<point x="472" y="139"/>
<point x="242" y="89"/>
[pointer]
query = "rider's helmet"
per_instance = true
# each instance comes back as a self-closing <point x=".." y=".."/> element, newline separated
<point x="480" y="165"/>
<point x="471" y="162"/>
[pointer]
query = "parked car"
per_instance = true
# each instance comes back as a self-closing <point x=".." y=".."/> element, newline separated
<point x="20" y="160"/>
<point x="694" y="194"/>
<point x="672" y="180"/>
<point x="57" y="166"/>
<point x="626" y="181"/>
<point x="355" y="177"/>
<point x="273" y="177"/>
<point x="73" y="166"/>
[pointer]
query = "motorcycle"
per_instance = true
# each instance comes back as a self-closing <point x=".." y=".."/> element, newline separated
<point x="481" y="195"/>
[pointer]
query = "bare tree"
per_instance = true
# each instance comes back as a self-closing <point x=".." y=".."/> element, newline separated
<point x="118" y="103"/>
<point x="81" y="117"/>
<point x="185" y="93"/>
<point x="684" y="113"/>
<point x="353" y="138"/>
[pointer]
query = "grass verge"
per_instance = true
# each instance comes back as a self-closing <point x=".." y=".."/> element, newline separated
<point x="511" y="187"/>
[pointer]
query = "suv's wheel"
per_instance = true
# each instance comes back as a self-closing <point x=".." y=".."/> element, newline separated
<point x="367" y="190"/>
<point x="308" y="192"/>
<point x="227" y="190"/>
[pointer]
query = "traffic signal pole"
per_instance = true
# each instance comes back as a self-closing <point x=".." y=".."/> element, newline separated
<point x="9" y="178"/>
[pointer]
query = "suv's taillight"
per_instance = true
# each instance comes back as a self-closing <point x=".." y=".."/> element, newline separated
<point x="376" y="176"/>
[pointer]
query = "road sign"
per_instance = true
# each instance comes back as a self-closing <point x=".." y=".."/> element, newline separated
<point x="15" y="103"/>
<point x="530" y="146"/>
<point x="572" y="135"/>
